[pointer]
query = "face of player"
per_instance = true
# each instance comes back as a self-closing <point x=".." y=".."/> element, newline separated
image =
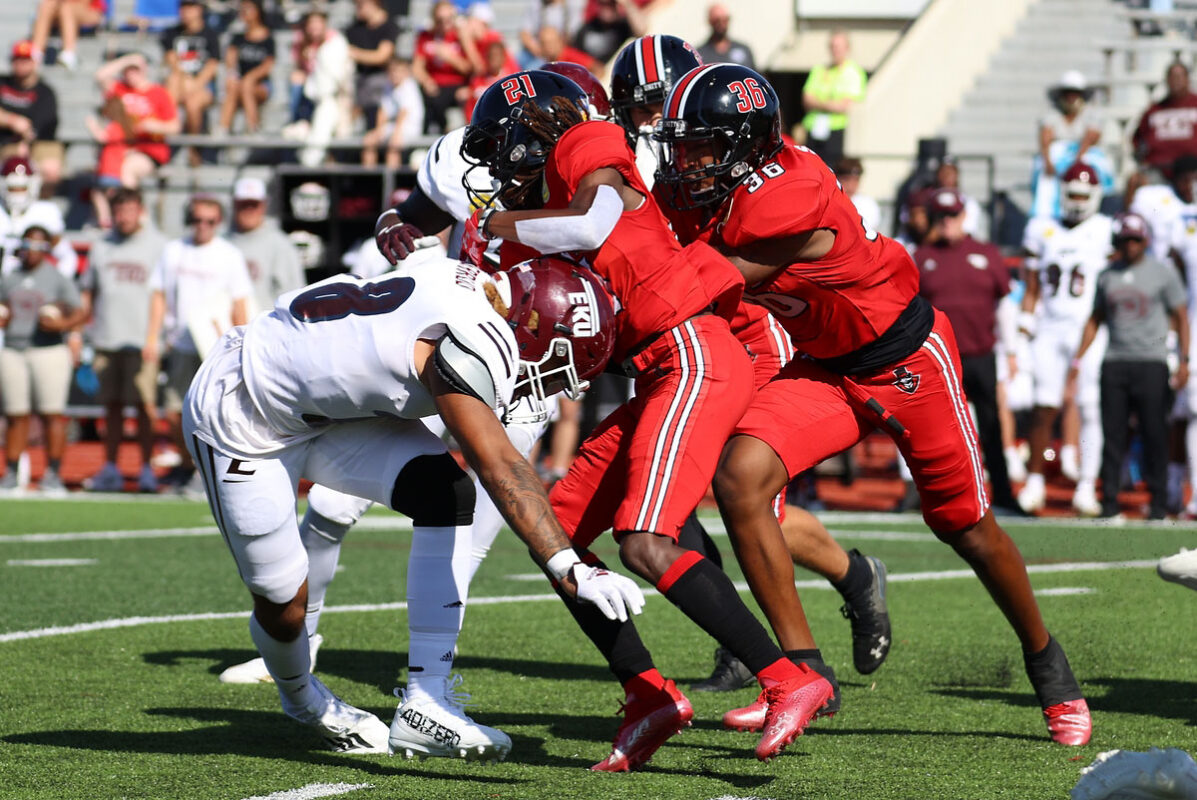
<point x="1182" y="184"/>
<point x="34" y="247"/>
<point x="205" y="220"/>
<point x="695" y="155"/>
<point x="126" y="217"/>
<point x="648" y="115"/>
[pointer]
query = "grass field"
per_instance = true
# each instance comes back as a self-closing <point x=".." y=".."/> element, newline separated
<point x="134" y="709"/>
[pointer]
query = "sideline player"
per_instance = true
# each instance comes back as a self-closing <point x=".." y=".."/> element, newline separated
<point x="331" y="386"/>
<point x="1066" y="257"/>
<point x="573" y="187"/>
<point x="878" y="356"/>
<point x="438" y="202"/>
<point x="641" y="77"/>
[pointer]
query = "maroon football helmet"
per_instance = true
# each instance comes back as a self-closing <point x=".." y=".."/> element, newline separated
<point x="1080" y="193"/>
<point x="564" y="323"/>
<point x="19" y="183"/>
<point x="600" y="105"/>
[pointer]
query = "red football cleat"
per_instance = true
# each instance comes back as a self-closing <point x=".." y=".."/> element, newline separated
<point x="647" y="723"/>
<point x="1069" y="723"/>
<point x="749" y="718"/>
<point x="792" y="706"/>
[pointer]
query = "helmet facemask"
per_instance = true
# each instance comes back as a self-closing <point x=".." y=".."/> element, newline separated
<point x="540" y="380"/>
<point x="700" y="167"/>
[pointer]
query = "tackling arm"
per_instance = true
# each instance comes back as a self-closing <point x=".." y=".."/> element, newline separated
<point x="397" y="229"/>
<point x="601" y="198"/>
<point x="760" y="260"/>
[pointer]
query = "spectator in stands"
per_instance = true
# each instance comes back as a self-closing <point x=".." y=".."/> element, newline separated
<point x="965" y="279"/>
<point x="116" y="293"/>
<point x="192" y="54"/>
<point x="69" y="16"/>
<point x="609" y="24"/>
<point x="29" y="117"/>
<point x="140" y="115"/>
<point x="272" y="261"/>
<point x="721" y="48"/>
<point x="848" y="171"/>
<point x="40" y="306"/>
<point x="199" y="288"/>
<point x="554" y="48"/>
<point x="371" y="40"/>
<point x="247" y="65"/>
<point x="828" y="95"/>
<point x="323" y="104"/>
<point x="477" y="36"/>
<point x="1069" y="120"/>
<point x="440" y="65"/>
<point x="1168" y="129"/>
<point x="496" y="67"/>
<point x="399" y="120"/>
<point x="564" y="15"/>
<point x="1137" y="298"/>
<point x="948" y="177"/>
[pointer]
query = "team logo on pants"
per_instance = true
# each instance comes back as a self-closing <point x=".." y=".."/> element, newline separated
<point x="907" y="381"/>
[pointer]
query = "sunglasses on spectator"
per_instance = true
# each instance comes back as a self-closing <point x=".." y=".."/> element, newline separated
<point x="35" y="245"/>
<point x="205" y="220"/>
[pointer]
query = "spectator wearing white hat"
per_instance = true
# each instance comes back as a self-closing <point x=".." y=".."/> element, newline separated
<point x="1069" y="120"/>
<point x="273" y="262"/>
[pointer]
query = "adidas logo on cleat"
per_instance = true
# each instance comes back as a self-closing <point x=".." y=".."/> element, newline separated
<point x="448" y="656"/>
<point x="431" y="728"/>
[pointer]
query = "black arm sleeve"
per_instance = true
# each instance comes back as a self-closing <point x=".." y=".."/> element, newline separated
<point x="419" y="210"/>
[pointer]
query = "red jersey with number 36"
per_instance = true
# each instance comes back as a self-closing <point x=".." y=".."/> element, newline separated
<point x="837" y="303"/>
<point x="658" y="283"/>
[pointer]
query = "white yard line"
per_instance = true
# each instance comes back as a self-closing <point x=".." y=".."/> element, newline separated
<point x="52" y="562"/>
<point x="1065" y="591"/>
<point x="902" y="577"/>
<point x="90" y="536"/>
<point x="313" y="790"/>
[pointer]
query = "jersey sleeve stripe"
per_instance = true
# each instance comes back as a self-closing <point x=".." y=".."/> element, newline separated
<point x="497" y="340"/>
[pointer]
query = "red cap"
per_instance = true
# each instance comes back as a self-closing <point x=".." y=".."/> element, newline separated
<point x="22" y="49"/>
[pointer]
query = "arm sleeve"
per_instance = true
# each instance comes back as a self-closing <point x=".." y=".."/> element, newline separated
<point x="420" y="210"/>
<point x="581" y="233"/>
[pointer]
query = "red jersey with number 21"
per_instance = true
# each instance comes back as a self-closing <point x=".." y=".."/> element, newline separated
<point x="658" y="283"/>
<point x="837" y="303"/>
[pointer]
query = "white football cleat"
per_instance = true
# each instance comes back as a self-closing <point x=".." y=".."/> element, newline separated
<point x="1155" y="775"/>
<point x="1016" y="469"/>
<point x="345" y="729"/>
<point x="1084" y="500"/>
<point x="1180" y="568"/>
<point x="254" y="670"/>
<point x="1032" y="498"/>
<point x="438" y="726"/>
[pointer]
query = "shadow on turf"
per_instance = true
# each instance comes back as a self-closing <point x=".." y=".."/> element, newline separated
<point x="1141" y="696"/>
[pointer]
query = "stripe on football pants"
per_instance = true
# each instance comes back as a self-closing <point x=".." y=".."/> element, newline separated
<point x="942" y="354"/>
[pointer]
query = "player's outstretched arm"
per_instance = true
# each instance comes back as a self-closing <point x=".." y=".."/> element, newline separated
<point x="520" y="497"/>
<point x="399" y="230"/>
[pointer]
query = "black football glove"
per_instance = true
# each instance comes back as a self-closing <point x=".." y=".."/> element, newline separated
<point x="396" y="239"/>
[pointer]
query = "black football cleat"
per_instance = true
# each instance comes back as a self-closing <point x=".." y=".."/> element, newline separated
<point x="869" y="616"/>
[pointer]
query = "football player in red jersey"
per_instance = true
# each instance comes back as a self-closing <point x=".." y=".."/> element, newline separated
<point x="876" y="355"/>
<point x="641" y="77"/>
<point x="574" y="188"/>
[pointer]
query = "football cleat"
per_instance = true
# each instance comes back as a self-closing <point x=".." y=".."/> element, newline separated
<point x="108" y="479"/>
<point x="254" y="670"/>
<point x="345" y="729"/>
<point x="438" y="726"/>
<point x="1156" y="775"/>
<point x="647" y="723"/>
<point x="1180" y="568"/>
<point x="752" y="716"/>
<point x="869" y="616"/>
<point x="1032" y="498"/>
<point x="729" y="674"/>
<point x="147" y="481"/>
<point x="1084" y="500"/>
<point x="1069" y="723"/>
<point x="793" y="704"/>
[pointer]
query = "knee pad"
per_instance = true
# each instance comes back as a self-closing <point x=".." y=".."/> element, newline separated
<point x="275" y="576"/>
<point x="434" y="491"/>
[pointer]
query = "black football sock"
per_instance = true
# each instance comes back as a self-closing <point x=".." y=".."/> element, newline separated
<point x="706" y="595"/>
<point x="1051" y="675"/>
<point x="619" y="642"/>
<point x="858" y="579"/>
<point x="814" y="660"/>
<point x="693" y="536"/>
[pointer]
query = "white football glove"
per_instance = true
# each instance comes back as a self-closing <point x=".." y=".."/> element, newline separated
<point x="614" y="594"/>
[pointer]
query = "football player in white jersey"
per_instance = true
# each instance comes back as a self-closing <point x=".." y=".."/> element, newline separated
<point x="1183" y="245"/>
<point x="331" y="386"/>
<point x="1066" y="256"/>
<point x="1166" y="205"/>
<point x="20" y="187"/>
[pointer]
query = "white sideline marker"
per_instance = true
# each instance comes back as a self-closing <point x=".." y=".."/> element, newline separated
<point x="901" y="577"/>
<point x="52" y="562"/>
<point x="313" y="790"/>
<point x="1065" y="591"/>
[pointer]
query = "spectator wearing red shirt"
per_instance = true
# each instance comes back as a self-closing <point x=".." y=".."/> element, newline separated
<point x="965" y="279"/>
<point x="1168" y="129"/>
<point x="496" y="66"/>
<point x="29" y="116"/>
<point x="554" y="48"/>
<point x="440" y="65"/>
<point x="477" y="36"/>
<point x="140" y="115"/>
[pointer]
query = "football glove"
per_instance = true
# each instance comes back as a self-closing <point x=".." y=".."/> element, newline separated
<point x="474" y="238"/>
<point x="395" y="238"/>
<point x="614" y="594"/>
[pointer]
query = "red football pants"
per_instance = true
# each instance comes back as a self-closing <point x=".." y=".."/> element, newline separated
<point x="649" y="463"/>
<point x="807" y="414"/>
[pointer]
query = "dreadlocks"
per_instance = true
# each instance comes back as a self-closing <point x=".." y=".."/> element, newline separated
<point x="548" y="126"/>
